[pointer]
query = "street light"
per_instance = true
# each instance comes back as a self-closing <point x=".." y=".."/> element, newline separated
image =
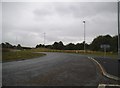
<point x="118" y="33"/>
<point x="84" y="35"/>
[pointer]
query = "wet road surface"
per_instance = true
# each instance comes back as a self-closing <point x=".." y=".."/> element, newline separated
<point x="54" y="69"/>
<point x="112" y="66"/>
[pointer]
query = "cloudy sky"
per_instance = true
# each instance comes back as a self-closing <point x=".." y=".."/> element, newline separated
<point x="26" y="22"/>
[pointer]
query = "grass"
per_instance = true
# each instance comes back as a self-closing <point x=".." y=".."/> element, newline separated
<point x="12" y="55"/>
<point x="101" y="54"/>
<point x="89" y="53"/>
<point x="19" y="55"/>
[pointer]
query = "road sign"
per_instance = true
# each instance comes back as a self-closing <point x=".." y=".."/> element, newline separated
<point x="104" y="46"/>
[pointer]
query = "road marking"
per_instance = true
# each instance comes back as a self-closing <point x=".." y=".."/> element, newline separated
<point x="110" y="85"/>
<point x="103" y="70"/>
<point x="101" y="86"/>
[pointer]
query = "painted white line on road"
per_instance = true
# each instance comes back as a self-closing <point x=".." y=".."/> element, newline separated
<point x="110" y="85"/>
<point x="103" y="70"/>
<point x="101" y="86"/>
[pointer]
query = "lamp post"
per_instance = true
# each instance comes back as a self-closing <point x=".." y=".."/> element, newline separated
<point x="118" y="31"/>
<point x="84" y="35"/>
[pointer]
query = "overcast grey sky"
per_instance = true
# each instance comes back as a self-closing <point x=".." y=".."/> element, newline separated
<point x="26" y="22"/>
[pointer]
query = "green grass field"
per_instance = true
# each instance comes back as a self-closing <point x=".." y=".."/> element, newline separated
<point x="19" y="55"/>
<point x="12" y="55"/>
<point x="89" y="53"/>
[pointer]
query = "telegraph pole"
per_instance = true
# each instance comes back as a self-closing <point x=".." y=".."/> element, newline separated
<point x="118" y="31"/>
<point x="44" y="38"/>
<point x="84" y="36"/>
<point x="16" y="41"/>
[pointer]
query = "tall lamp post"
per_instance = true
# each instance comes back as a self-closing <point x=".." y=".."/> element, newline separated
<point x="44" y="38"/>
<point x="84" y="36"/>
<point x="118" y="31"/>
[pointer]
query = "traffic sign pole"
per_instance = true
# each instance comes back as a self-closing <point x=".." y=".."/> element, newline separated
<point x="104" y="52"/>
<point x="104" y="46"/>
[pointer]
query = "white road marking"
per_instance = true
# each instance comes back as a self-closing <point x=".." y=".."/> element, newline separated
<point x="104" y="85"/>
<point x="101" y="86"/>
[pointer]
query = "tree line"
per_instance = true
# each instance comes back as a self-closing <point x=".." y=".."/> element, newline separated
<point x="10" y="46"/>
<point x="94" y="45"/>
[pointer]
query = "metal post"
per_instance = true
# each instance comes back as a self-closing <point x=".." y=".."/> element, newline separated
<point x="104" y="52"/>
<point x="16" y="40"/>
<point x="44" y="38"/>
<point x="118" y="33"/>
<point x="84" y="36"/>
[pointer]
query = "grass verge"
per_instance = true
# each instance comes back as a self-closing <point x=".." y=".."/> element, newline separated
<point x="13" y="55"/>
<point x="88" y="53"/>
<point x="19" y="55"/>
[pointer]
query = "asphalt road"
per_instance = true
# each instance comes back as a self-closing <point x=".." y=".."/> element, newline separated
<point x="54" y="69"/>
<point x="0" y="74"/>
<point x="112" y="66"/>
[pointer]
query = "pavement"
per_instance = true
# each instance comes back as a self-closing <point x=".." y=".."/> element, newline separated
<point x="111" y="66"/>
<point x="54" y="69"/>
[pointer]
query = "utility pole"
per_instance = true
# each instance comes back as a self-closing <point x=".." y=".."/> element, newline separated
<point x="104" y="52"/>
<point x="44" y="38"/>
<point x="16" y="40"/>
<point x="84" y="36"/>
<point x="118" y="31"/>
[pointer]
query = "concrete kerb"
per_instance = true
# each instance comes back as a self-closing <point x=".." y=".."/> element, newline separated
<point x="103" y="70"/>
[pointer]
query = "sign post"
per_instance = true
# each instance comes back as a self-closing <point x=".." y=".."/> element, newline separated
<point x="105" y="46"/>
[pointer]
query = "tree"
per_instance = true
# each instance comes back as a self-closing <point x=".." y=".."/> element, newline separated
<point x="70" y="46"/>
<point x="3" y="45"/>
<point x="55" y="45"/>
<point x="40" y="46"/>
<point x="19" y="46"/>
<point x="114" y="44"/>
<point x="79" y="46"/>
<point x="100" y="40"/>
<point x="7" y="45"/>
<point x="58" y="45"/>
<point x="49" y="46"/>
